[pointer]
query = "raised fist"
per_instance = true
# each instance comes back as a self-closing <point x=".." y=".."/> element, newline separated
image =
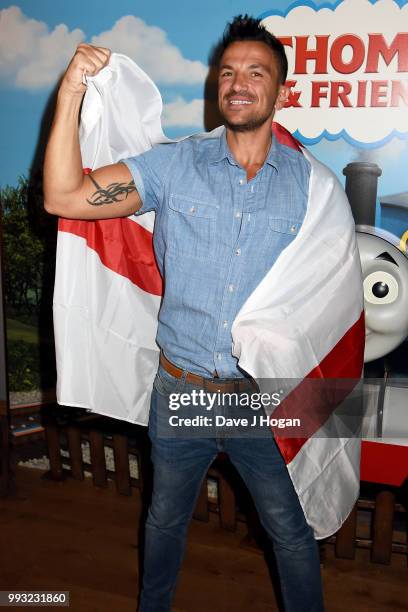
<point x="88" y="60"/>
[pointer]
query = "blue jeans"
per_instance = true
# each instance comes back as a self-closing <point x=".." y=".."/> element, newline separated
<point x="180" y="465"/>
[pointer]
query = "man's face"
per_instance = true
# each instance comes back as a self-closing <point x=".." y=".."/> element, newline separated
<point x="249" y="90"/>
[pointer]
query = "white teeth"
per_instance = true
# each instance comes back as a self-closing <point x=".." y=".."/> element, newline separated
<point x="236" y="102"/>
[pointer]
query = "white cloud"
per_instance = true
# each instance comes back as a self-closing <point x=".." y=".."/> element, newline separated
<point x="33" y="57"/>
<point x="148" y="46"/>
<point x="183" y="114"/>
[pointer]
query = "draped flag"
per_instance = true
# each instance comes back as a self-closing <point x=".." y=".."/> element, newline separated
<point x="303" y="321"/>
<point x="304" y="326"/>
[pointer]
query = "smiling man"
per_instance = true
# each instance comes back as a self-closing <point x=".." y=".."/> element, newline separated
<point x="251" y="86"/>
<point x="227" y="203"/>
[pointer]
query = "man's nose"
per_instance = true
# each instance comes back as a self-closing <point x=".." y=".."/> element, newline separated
<point x="239" y="83"/>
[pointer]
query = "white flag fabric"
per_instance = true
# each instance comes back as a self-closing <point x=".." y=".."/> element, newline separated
<point x="107" y="286"/>
<point x="303" y="321"/>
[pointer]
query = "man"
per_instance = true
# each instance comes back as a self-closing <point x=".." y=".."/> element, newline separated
<point x="217" y="201"/>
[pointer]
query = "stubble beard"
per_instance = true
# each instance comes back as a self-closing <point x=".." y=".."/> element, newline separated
<point x="250" y="126"/>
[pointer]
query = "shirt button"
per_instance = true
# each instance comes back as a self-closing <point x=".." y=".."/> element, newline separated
<point x="238" y="252"/>
<point x="225" y="324"/>
<point x="219" y="356"/>
<point x="192" y="209"/>
<point x="230" y="288"/>
<point x="238" y="215"/>
<point x="241" y="181"/>
<point x="293" y="228"/>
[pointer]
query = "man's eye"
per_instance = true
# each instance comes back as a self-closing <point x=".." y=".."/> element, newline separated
<point x="227" y="74"/>
<point x="256" y="74"/>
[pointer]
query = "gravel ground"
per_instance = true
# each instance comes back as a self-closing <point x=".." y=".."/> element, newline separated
<point x="31" y="397"/>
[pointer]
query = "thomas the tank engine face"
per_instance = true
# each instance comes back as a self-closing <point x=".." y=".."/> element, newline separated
<point x="385" y="276"/>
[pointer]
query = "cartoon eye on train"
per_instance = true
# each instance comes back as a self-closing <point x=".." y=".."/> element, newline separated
<point x="385" y="274"/>
<point x="384" y="263"/>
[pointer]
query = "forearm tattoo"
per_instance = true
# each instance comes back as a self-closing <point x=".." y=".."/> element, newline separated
<point x="115" y="192"/>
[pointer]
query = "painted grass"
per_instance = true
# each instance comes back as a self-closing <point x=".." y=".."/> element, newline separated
<point x="20" y="331"/>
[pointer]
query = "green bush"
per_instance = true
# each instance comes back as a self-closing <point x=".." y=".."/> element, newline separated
<point x="29" y="238"/>
<point x="23" y="365"/>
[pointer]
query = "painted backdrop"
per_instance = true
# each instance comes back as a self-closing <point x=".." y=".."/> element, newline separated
<point x="348" y="72"/>
<point x="348" y="67"/>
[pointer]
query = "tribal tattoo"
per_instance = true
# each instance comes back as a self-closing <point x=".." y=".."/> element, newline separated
<point x="115" y="192"/>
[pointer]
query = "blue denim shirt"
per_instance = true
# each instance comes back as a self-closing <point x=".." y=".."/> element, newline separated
<point x="215" y="237"/>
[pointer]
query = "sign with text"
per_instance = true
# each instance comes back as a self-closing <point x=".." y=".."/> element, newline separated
<point x="348" y="70"/>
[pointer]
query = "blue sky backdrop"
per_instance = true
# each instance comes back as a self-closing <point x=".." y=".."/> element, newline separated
<point x="171" y="41"/>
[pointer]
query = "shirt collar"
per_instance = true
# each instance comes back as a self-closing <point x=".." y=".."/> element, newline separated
<point x="223" y="152"/>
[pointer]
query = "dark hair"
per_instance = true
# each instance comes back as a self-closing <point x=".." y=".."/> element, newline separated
<point x="244" y="27"/>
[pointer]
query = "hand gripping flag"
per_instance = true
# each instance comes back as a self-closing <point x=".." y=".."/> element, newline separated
<point x="304" y="321"/>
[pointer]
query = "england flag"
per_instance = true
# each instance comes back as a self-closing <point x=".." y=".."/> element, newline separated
<point x="303" y="322"/>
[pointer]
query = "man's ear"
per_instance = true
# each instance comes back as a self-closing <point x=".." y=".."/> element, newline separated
<point x="283" y="95"/>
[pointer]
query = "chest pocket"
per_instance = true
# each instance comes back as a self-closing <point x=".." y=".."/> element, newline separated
<point x="282" y="231"/>
<point x="284" y="226"/>
<point x="192" y="226"/>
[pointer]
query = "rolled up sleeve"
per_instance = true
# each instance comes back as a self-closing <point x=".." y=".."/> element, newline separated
<point x="149" y="171"/>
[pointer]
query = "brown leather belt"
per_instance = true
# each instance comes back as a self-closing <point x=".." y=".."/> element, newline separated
<point x="222" y="385"/>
